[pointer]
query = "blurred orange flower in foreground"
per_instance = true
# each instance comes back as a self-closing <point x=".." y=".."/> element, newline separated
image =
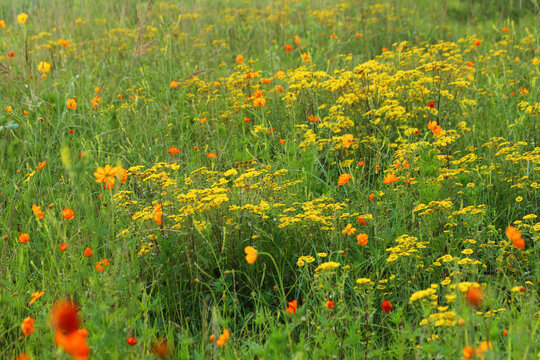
<point x="251" y="254"/>
<point x="27" y="326"/>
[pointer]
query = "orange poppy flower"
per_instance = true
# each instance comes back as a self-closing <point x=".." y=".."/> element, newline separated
<point x="131" y="341"/>
<point x="174" y="84"/>
<point x="477" y="42"/>
<point x="313" y="118"/>
<point x="306" y="57"/>
<point x="288" y="47"/>
<point x="386" y="306"/>
<point x="68" y="214"/>
<point x="24" y="238"/>
<point x="74" y="343"/>
<point x="174" y="150"/>
<point x="71" y="104"/>
<point x="21" y="356"/>
<point x="223" y="338"/>
<point x="469" y="352"/>
<point x="88" y="252"/>
<point x="515" y="236"/>
<point x="37" y="211"/>
<point x="211" y="155"/>
<point x="239" y="59"/>
<point x="63" y="247"/>
<point x="390" y="178"/>
<point x="291" y="307"/>
<point x="347" y="140"/>
<point x="27" y="326"/>
<point x="36" y="296"/>
<point x="330" y="304"/>
<point x="158" y="214"/>
<point x="106" y="175"/>
<point x="297" y="40"/>
<point x="361" y="220"/>
<point x="475" y="296"/>
<point x="282" y="141"/>
<point x="246" y="120"/>
<point x="343" y="179"/>
<point x="65" y="317"/>
<point x="362" y="239"/>
<point x="266" y="81"/>
<point x="40" y="165"/>
<point x="99" y="267"/>
<point x="371" y="197"/>
<point x="258" y="102"/>
<point x="251" y="254"/>
<point x="161" y="349"/>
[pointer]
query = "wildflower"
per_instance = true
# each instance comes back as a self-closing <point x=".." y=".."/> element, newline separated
<point x="71" y="104"/>
<point x="306" y="57"/>
<point x="505" y="29"/>
<point x="477" y="42"/>
<point x="211" y="155"/>
<point x="343" y="179"/>
<point x="22" y="17"/>
<point x="474" y="295"/>
<point x="386" y="306"/>
<point x="64" y="42"/>
<point x="251" y="254"/>
<point x="88" y="252"/>
<point x="174" y="150"/>
<point x="334" y="36"/>
<point x="505" y="332"/>
<point x="95" y="102"/>
<point x="483" y="347"/>
<point x="63" y="247"/>
<point x="239" y="59"/>
<point x="131" y="341"/>
<point x="68" y="214"/>
<point x="519" y="289"/>
<point x="313" y="118"/>
<point x="161" y="349"/>
<point x="358" y="35"/>
<point x="266" y="81"/>
<point x="361" y="220"/>
<point x="44" y="67"/>
<point x="246" y="120"/>
<point x="470" y="63"/>
<point x="329" y="265"/>
<point x="347" y="140"/>
<point x="40" y="165"/>
<point x="22" y="356"/>
<point x="27" y="326"/>
<point x="37" y="211"/>
<point x="282" y="141"/>
<point x="174" y="84"/>
<point x="431" y="105"/>
<point x="371" y="197"/>
<point x="469" y="352"/>
<point x="8" y="108"/>
<point x="436" y="129"/>
<point x="11" y="54"/>
<point x="223" y="338"/>
<point x="291" y="307"/>
<point x="362" y="239"/>
<point x="297" y="40"/>
<point x="74" y="343"/>
<point x="515" y="236"/>
<point x="99" y="267"/>
<point x="258" y="102"/>
<point x="36" y="296"/>
<point x="24" y="238"/>
<point x="523" y="91"/>
<point x="158" y="213"/>
<point x="330" y="304"/>
<point x="106" y="175"/>
<point x="349" y="230"/>
<point x="390" y="178"/>
<point x="288" y="47"/>
<point x="64" y="316"/>
<point x="2" y="24"/>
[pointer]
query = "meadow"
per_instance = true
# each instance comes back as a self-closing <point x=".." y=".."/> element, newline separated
<point x="293" y="179"/>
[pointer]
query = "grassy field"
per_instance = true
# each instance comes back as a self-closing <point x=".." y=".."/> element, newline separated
<point x="347" y="179"/>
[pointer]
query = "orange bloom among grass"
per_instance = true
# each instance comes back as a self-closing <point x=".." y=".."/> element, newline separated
<point x="291" y="307"/>
<point x="68" y="214"/>
<point x="27" y="326"/>
<point x="343" y="179"/>
<point x="362" y="239"/>
<point x="37" y="211"/>
<point x="24" y="238"/>
<point x="390" y="178"/>
<point x="251" y="254"/>
<point x="71" y="104"/>
<point x="36" y="296"/>
<point x="515" y="236"/>
<point x="87" y="252"/>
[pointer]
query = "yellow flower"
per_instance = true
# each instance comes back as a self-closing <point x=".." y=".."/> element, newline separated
<point x="44" y="67"/>
<point x="519" y="199"/>
<point x="22" y="17"/>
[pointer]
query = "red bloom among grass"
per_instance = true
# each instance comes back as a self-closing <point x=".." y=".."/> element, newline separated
<point x="386" y="306"/>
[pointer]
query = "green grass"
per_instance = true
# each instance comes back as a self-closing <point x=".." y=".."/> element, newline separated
<point x="273" y="184"/>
